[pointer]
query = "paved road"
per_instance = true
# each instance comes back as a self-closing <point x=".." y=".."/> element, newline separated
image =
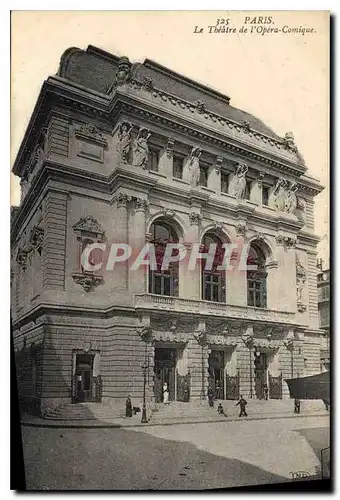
<point x="213" y="455"/>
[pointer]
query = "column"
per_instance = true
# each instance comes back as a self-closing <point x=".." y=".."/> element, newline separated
<point x="191" y="278"/>
<point x="120" y="270"/>
<point x="237" y="275"/>
<point x="138" y="277"/>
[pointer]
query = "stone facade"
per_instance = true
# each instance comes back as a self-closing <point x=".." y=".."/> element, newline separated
<point x="98" y="164"/>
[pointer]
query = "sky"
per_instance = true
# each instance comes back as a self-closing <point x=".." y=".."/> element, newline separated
<point x="282" y="78"/>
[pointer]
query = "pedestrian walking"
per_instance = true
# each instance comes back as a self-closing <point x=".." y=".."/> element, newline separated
<point x="220" y="409"/>
<point x="128" y="407"/>
<point x="243" y="403"/>
<point x="296" y="405"/>
<point x="265" y="389"/>
<point x="211" y="396"/>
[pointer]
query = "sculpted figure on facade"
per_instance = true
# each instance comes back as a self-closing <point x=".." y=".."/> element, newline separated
<point x="194" y="167"/>
<point x="289" y="142"/>
<point x="123" y="74"/>
<point x="280" y="195"/>
<point x="141" y="149"/>
<point x="301" y="276"/>
<point x="301" y="209"/>
<point x="124" y="140"/>
<point x="238" y="183"/>
<point x="291" y="200"/>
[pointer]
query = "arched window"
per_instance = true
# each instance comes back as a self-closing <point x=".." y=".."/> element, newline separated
<point x="213" y="280"/>
<point x="163" y="282"/>
<point x="257" y="279"/>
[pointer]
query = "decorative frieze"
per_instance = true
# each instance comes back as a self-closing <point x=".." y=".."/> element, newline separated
<point x="195" y="218"/>
<point x="88" y="281"/>
<point x="147" y="84"/>
<point x="201" y="107"/>
<point x="90" y="131"/>
<point x="144" y="332"/>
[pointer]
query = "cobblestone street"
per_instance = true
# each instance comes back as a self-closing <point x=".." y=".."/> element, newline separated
<point x="193" y="457"/>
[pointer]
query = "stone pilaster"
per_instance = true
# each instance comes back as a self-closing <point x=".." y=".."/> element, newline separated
<point x="120" y="270"/>
<point x="138" y="277"/>
<point x="191" y="270"/>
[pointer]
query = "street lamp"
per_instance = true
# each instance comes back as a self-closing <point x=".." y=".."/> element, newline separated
<point x="144" y="368"/>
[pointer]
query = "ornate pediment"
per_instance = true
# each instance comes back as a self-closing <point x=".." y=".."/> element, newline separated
<point x="88" y="224"/>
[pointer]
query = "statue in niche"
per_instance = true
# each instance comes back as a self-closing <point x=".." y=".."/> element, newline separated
<point x="280" y="195"/>
<point x="291" y="200"/>
<point x="194" y="167"/>
<point x="141" y="149"/>
<point x="238" y="183"/>
<point x="124" y="140"/>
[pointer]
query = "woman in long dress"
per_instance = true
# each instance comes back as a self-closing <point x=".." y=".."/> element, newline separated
<point x="141" y="151"/>
<point x="165" y="394"/>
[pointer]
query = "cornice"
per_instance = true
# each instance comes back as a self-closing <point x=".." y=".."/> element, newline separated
<point x="60" y="92"/>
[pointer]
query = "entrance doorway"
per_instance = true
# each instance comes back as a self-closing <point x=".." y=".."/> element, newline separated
<point x="261" y="374"/>
<point x="84" y="375"/>
<point x="165" y="371"/>
<point x="216" y="373"/>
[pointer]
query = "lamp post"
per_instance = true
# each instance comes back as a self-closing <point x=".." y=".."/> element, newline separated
<point x="248" y="339"/>
<point x="144" y="368"/>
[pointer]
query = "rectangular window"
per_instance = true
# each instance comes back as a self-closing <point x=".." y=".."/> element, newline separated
<point x="153" y="160"/>
<point x="246" y="194"/>
<point x="204" y="176"/>
<point x="265" y="195"/>
<point x="177" y="167"/>
<point x="224" y="182"/>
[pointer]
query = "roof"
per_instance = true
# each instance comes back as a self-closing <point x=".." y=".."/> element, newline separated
<point x="95" y="69"/>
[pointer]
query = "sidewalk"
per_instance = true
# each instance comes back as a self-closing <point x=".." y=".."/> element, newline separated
<point x="134" y="421"/>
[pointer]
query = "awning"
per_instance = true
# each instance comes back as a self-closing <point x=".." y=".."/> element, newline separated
<point x="312" y="387"/>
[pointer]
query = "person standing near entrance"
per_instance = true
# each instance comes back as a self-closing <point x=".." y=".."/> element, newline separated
<point x="265" y="390"/>
<point x="165" y="394"/>
<point x="128" y="407"/>
<point x="296" y="405"/>
<point x="211" y="396"/>
<point x="243" y="403"/>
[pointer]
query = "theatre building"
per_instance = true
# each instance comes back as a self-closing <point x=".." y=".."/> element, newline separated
<point x="127" y="152"/>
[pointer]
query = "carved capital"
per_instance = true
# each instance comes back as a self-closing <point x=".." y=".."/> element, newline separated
<point x="123" y="200"/>
<point x="141" y="204"/>
<point x="195" y="218"/>
<point x="88" y="281"/>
